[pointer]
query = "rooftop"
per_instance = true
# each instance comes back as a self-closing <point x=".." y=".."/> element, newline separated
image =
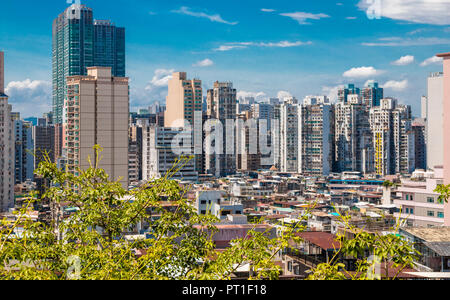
<point x="436" y="234"/>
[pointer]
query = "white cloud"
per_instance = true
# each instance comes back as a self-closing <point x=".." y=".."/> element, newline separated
<point x="416" y="11"/>
<point x="361" y="72"/>
<point x="302" y="17"/>
<point x="213" y="18"/>
<point x="244" y="45"/>
<point x="396" y="85"/>
<point x="155" y="90"/>
<point x="31" y="98"/>
<point x="332" y="92"/>
<point x="351" y="18"/>
<point x="204" y="63"/>
<point x="407" y="42"/>
<point x="431" y="60"/>
<point x="267" y="10"/>
<point x="257" y="95"/>
<point x="283" y="95"/>
<point x="404" y="60"/>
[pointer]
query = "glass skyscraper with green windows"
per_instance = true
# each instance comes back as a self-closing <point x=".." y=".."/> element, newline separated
<point x="79" y="42"/>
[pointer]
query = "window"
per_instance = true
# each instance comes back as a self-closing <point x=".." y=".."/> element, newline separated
<point x="430" y="213"/>
<point x="430" y="200"/>
<point x="440" y="215"/>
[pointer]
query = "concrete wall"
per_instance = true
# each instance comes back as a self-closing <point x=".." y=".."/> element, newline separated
<point x="435" y="119"/>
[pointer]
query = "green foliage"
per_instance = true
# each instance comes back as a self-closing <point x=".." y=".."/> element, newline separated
<point x="388" y="183"/>
<point x="369" y="250"/>
<point x="89" y="244"/>
<point x="444" y="191"/>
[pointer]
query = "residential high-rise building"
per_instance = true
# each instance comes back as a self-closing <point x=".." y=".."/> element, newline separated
<point x="161" y="153"/>
<point x="349" y="89"/>
<point x="6" y="146"/>
<point x="58" y="141"/>
<point x="435" y="121"/>
<point x="393" y="138"/>
<point x="221" y="106"/>
<point x="2" y="72"/>
<point x="316" y="140"/>
<point x="419" y="129"/>
<point x="446" y="123"/>
<point x="24" y="151"/>
<point x="290" y="114"/>
<point x="372" y="94"/>
<point x="184" y="99"/>
<point x="353" y="138"/>
<point x="135" y="153"/>
<point x="80" y="42"/>
<point x="44" y="144"/>
<point x="96" y="112"/>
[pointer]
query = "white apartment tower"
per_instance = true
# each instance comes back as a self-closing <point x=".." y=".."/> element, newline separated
<point x="6" y="146"/>
<point x="162" y="150"/>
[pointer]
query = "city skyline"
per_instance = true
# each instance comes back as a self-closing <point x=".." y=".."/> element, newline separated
<point x="286" y="44"/>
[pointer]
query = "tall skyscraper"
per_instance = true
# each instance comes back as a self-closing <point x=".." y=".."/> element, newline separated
<point x="435" y="121"/>
<point x="353" y="138"/>
<point x="184" y="99"/>
<point x="96" y="113"/>
<point x="6" y="146"/>
<point x="290" y="128"/>
<point x="316" y="139"/>
<point x="446" y="109"/>
<point x="80" y="42"/>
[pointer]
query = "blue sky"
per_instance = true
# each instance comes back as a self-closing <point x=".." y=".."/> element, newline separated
<point x="264" y="47"/>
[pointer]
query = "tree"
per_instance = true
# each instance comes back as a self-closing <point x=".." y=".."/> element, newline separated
<point x="90" y="244"/>
<point x="376" y="255"/>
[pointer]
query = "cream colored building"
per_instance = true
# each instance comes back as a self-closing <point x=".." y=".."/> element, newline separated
<point x="96" y="111"/>
<point x="6" y="147"/>
<point x="184" y="98"/>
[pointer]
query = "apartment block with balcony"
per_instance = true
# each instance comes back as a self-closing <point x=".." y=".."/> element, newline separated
<point x="96" y="112"/>
<point x="419" y="204"/>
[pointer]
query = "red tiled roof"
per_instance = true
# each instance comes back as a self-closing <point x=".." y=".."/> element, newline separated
<point x="324" y="240"/>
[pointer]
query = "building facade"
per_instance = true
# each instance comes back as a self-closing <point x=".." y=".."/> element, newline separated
<point x="96" y="113"/>
<point x="80" y="42"/>
<point x="24" y="151"/>
<point x="221" y="107"/>
<point x="163" y="150"/>
<point x="184" y="99"/>
<point x="6" y="146"/>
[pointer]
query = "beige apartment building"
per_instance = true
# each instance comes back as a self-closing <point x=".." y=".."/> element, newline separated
<point x="184" y="98"/>
<point x="96" y="111"/>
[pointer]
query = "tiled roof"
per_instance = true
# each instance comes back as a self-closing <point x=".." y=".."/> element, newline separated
<point x="324" y="240"/>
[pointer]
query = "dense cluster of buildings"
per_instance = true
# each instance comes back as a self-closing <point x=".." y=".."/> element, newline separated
<point x="247" y="159"/>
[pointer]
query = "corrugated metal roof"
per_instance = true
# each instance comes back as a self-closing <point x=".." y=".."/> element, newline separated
<point x="441" y="248"/>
